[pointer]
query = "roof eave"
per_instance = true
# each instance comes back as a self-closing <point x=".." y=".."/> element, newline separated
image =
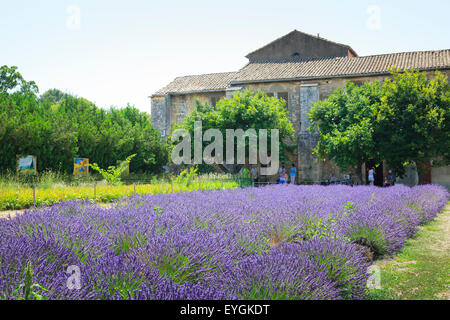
<point x="174" y="93"/>
<point x="355" y="75"/>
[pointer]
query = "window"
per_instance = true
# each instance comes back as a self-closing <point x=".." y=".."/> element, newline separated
<point x="270" y="94"/>
<point x="284" y="96"/>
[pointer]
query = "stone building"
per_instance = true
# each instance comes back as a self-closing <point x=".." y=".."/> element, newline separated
<point x="301" y="69"/>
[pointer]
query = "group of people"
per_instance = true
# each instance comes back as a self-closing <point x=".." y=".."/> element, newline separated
<point x="389" y="180"/>
<point x="283" y="176"/>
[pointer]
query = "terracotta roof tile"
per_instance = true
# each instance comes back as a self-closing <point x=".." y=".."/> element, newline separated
<point x="263" y="71"/>
<point x="196" y="83"/>
<point x="341" y="67"/>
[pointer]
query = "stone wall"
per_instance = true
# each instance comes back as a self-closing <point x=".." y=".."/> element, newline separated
<point x="310" y="168"/>
<point x="297" y="44"/>
<point x="180" y="106"/>
<point x="441" y="176"/>
<point x="159" y="113"/>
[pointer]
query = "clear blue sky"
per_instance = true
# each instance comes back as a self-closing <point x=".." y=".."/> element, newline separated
<point x="114" y="52"/>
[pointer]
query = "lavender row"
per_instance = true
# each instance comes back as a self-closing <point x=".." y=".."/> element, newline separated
<point x="275" y="242"/>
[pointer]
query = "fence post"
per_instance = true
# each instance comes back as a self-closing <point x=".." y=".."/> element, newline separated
<point x="134" y="187"/>
<point x="34" y="194"/>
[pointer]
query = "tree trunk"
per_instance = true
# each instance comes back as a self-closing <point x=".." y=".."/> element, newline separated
<point x="421" y="175"/>
<point x="359" y="167"/>
<point x="359" y="172"/>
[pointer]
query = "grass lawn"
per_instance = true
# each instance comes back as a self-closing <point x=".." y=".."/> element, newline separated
<point x="421" y="271"/>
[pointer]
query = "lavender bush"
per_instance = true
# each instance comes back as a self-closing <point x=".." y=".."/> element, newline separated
<point x="274" y="242"/>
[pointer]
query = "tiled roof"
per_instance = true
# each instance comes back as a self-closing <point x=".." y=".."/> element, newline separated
<point x="342" y="67"/>
<point x="197" y="83"/>
<point x="263" y="71"/>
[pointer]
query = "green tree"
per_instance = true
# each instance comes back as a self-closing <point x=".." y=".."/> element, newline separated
<point x="57" y="126"/>
<point x="113" y="173"/>
<point x="244" y="110"/>
<point x="346" y="124"/>
<point x="413" y="120"/>
<point x="404" y="121"/>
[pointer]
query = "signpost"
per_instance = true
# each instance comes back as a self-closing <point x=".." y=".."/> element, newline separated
<point x="27" y="165"/>
<point x="81" y="166"/>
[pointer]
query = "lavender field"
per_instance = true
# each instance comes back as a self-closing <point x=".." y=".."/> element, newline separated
<point x="274" y="242"/>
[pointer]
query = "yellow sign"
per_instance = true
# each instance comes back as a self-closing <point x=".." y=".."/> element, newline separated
<point x="81" y="166"/>
<point x="27" y="165"/>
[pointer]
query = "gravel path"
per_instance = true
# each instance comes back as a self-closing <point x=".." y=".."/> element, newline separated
<point x="5" y="214"/>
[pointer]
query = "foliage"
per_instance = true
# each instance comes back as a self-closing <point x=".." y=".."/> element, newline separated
<point x="29" y="290"/>
<point x="420" y="270"/>
<point x="113" y="173"/>
<point x="245" y="110"/>
<point x="17" y="196"/>
<point x="403" y="120"/>
<point x="210" y="244"/>
<point x="346" y="122"/>
<point x="57" y="127"/>
<point x="413" y="120"/>
<point x="185" y="177"/>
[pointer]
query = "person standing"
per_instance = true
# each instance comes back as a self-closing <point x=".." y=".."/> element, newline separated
<point x="293" y="172"/>
<point x="254" y="174"/>
<point x="371" y="176"/>
<point x="283" y="178"/>
<point x="280" y="172"/>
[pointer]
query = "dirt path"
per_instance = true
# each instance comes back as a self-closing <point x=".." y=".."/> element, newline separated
<point x="5" y="214"/>
<point x="422" y="269"/>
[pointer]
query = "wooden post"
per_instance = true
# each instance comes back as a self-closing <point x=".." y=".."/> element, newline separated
<point x="34" y="194"/>
<point x="95" y="191"/>
<point x="134" y="186"/>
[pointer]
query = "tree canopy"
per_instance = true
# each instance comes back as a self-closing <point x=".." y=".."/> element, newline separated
<point x="56" y="127"/>
<point x="346" y="122"/>
<point x="404" y="120"/>
<point x="413" y="120"/>
<point x="245" y="110"/>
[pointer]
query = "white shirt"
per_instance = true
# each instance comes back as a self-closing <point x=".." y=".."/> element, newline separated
<point x="371" y="174"/>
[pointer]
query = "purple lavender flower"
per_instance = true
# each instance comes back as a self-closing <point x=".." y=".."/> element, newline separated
<point x="274" y="242"/>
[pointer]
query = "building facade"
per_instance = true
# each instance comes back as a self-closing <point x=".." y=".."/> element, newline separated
<point x="301" y="69"/>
